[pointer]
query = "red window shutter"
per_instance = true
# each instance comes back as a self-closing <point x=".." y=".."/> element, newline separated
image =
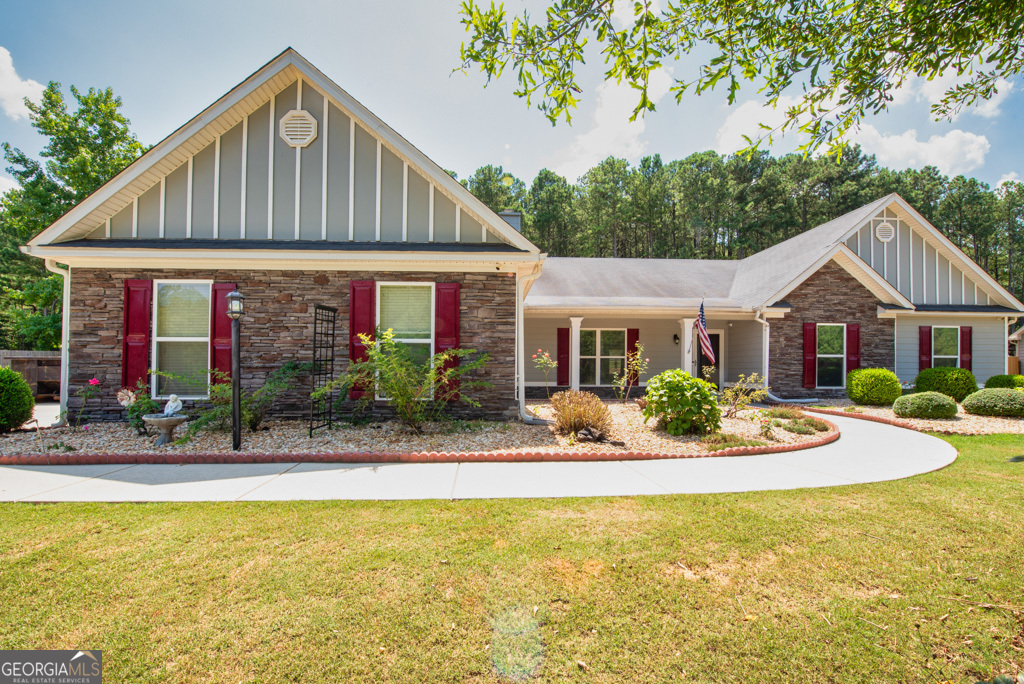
<point x="852" y="347"/>
<point x="446" y="329"/>
<point x="362" y="314"/>
<point x="924" y="347"/>
<point x="966" y="342"/>
<point x="138" y="300"/>
<point x="562" y="356"/>
<point x="220" y="330"/>
<point x="810" y="355"/>
<point x="632" y="339"/>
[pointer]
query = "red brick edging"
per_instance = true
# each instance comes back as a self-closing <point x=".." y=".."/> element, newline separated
<point x="379" y="457"/>
<point x="879" y="419"/>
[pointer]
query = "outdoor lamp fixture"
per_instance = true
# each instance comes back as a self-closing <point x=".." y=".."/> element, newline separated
<point x="675" y="338"/>
<point x="236" y="307"/>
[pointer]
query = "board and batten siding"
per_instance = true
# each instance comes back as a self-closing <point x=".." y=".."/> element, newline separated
<point x="912" y="264"/>
<point x="988" y="352"/>
<point x="347" y="184"/>
<point x="742" y="343"/>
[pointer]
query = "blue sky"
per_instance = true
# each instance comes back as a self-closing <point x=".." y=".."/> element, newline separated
<point x="397" y="58"/>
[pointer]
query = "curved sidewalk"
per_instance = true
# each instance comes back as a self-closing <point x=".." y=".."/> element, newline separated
<point x="866" y="452"/>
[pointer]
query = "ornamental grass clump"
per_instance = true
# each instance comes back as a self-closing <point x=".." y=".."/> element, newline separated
<point x="682" y="404"/>
<point x="996" y="402"/>
<point x="1005" y="382"/>
<point x="575" y="410"/>
<point x="16" y="400"/>
<point x="873" y="386"/>
<point x="925" y="405"/>
<point x="953" y="382"/>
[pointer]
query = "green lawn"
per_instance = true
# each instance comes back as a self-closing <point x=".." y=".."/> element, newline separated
<point x="853" y="584"/>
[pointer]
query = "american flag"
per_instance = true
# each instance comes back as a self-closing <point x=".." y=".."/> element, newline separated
<point x="702" y="333"/>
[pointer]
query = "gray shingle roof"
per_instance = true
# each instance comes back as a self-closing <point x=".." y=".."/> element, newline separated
<point x="644" y="283"/>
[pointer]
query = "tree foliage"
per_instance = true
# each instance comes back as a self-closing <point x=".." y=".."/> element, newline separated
<point x="847" y="58"/>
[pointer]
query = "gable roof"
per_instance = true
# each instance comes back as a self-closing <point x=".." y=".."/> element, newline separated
<point x="225" y="113"/>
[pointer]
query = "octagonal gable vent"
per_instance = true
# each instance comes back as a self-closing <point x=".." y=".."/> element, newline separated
<point x="885" y="232"/>
<point x="298" y="128"/>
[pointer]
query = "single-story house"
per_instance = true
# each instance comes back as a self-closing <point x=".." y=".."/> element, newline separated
<point x="292" y="192"/>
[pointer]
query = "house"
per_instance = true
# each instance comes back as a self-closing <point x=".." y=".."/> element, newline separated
<point x="292" y="192"/>
<point x="878" y="287"/>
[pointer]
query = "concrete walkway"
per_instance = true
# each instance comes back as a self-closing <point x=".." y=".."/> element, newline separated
<point x="866" y="452"/>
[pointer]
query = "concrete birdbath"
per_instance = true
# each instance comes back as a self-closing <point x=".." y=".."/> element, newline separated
<point x="166" y="421"/>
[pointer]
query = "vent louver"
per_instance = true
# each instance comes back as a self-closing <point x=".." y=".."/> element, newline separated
<point x="298" y="128"/>
<point x="885" y="232"/>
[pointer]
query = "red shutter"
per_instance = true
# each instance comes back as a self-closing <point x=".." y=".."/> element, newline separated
<point x="562" y="356"/>
<point x="924" y="347"/>
<point x="810" y="355"/>
<point x="138" y="300"/>
<point x="966" y="342"/>
<point x="852" y="347"/>
<point x="220" y="329"/>
<point x="362" y="314"/>
<point x="632" y="339"/>
<point x="446" y="329"/>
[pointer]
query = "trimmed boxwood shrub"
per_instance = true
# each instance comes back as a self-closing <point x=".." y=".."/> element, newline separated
<point x="953" y="382"/>
<point x="925" y="405"/>
<point x="996" y="402"/>
<point x="1007" y="381"/>
<point x="682" y="404"/>
<point x="873" y="386"/>
<point x="16" y="400"/>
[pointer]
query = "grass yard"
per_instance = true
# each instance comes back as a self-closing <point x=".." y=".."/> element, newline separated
<point x="853" y="584"/>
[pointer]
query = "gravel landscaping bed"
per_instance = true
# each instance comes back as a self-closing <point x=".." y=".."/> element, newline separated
<point x="961" y="424"/>
<point x="291" y="437"/>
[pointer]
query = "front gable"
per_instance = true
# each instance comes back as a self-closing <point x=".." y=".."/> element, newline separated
<point x="230" y="174"/>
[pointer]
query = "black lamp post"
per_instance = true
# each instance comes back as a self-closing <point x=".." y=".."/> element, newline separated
<point x="236" y="307"/>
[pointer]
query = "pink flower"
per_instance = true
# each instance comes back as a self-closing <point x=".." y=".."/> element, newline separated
<point x="85" y="427"/>
<point x="534" y="356"/>
<point x="538" y="351"/>
<point x="94" y="381"/>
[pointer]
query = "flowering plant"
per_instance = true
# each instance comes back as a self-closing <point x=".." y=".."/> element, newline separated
<point x="86" y="392"/>
<point x="625" y="378"/>
<point x="764" y="423"/>
<point x="543" y="362"/>
<point x="125" y="397"/>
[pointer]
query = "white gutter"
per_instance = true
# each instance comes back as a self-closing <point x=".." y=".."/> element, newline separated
<point x="521" y="282"/>
<point x="65" y="338"/>
<point x="766" y="341"/>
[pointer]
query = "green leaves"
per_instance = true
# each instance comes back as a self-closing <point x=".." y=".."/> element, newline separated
<point x="682" y="404"/>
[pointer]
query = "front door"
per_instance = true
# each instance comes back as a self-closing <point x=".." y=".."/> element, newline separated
<point x="702" y="360"/>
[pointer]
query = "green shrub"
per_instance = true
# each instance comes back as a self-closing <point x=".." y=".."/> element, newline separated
<point x="16" y="400"/>
<point x="873" y="386"/>
<point x="575" y="410"/>
<point x="953" y="382"/>
<point x="726" y="440"/>
<point x="925" y="405"/>
<point x="1005" y="381"/>
<point x="996" y="402"/>
<point x="682" y="404"/>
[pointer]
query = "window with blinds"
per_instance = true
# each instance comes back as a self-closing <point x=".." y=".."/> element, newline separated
<point x="407" y="311"/>
<point x="181" y="338"/>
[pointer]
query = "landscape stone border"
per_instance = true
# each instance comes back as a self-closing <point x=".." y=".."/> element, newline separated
<point x="383" y="457"/>
<point x="887" y="421"/>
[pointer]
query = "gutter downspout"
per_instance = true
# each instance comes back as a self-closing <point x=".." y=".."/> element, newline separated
<point x="524" y="415"/>
<point x="65" y="338"/>
<point x="759" y="317"/>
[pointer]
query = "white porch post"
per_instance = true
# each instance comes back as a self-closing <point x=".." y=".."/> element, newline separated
<point x="686" y="326"/>
<point x="574" y="351"/>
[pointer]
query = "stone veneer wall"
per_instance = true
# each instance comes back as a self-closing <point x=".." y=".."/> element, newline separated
<point x="831" y="295"/>
<point x="278" y="327"/>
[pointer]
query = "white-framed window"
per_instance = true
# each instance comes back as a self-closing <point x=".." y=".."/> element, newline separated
<point x="181" y="336"/>
<point x="407" y="309"/>
<point x="831" y="355"/>
<point x="946" y="347"/>
<point x="602" y="355"/>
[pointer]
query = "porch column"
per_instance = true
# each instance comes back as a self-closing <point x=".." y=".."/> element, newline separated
<point x="574" y="351"/>
<point x="686" y="325"/>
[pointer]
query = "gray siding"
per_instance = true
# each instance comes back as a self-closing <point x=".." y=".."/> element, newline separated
<point x="419" y="208"/>
<point x="743" y="344"/>
<point x="284" y="170"/>
<point x="391" y="196"/>
<point x="337" y="175"/>
<point x="121" y="223"/>
<point x="444" y="218"/>
<point x="202" y="192"/>
<point x="988" y="344"/>
<point x="176" y="204"/>
<point x="149" y="213"/>
<point x="230" y="200"/>
<point x="366" y="185"/>
<point x="470" y="229"/>
<point x="312" y="170"/>
<point x="256" y="163"/>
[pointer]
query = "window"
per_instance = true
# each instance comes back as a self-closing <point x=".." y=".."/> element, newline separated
<point x="945" y="347"/>
<point x="602" y="355"/>
<point x="181" y="336"/>
<point x="831" y="355"/>
<point x="408" y="310"/>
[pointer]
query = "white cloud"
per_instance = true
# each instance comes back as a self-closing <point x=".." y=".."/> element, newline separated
<point x="611" y="133"/>
<point x="7" y="183"/>
<point x="953" y="153"/>
<point x="1011" y="177"/>
<point x="746" y="120"/>
<point x="14" y="90"/>
<point x="917" y="89"/>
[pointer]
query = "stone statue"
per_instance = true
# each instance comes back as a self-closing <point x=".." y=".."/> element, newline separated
<point x="173" y="405"/>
